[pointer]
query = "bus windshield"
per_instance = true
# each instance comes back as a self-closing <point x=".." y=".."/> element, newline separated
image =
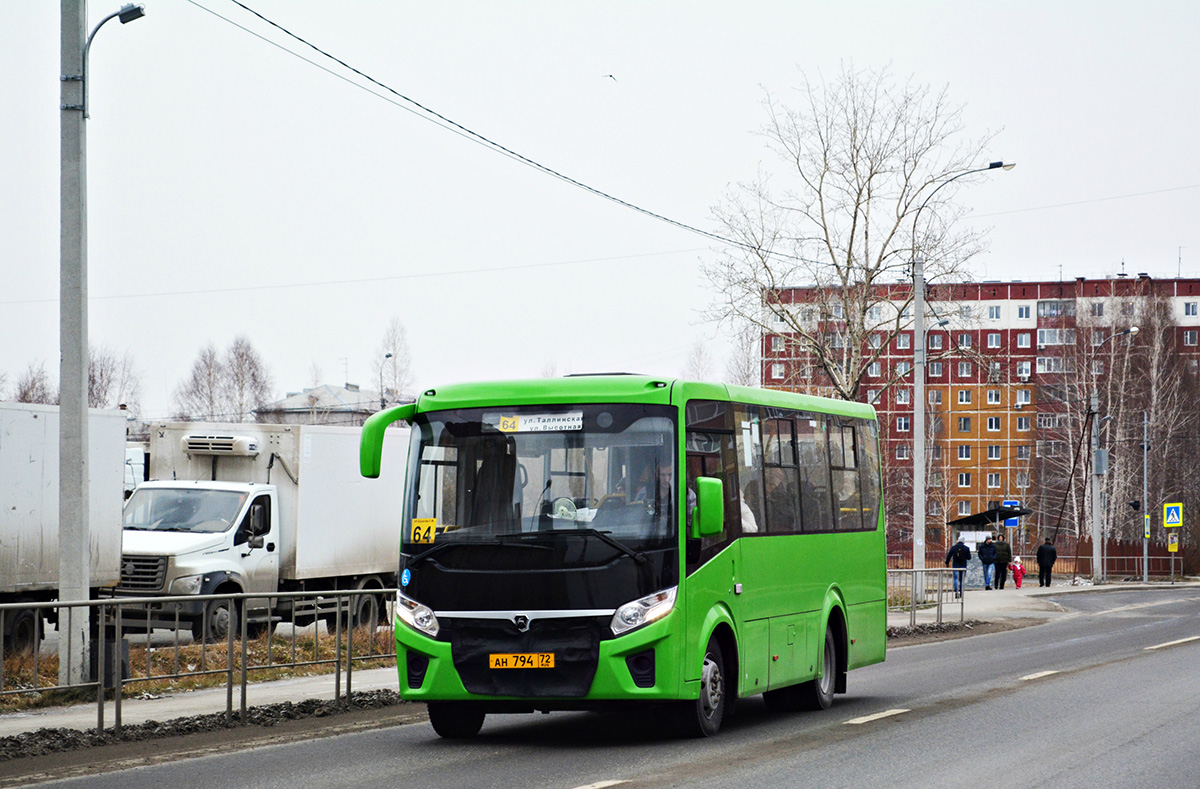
<point x="603" y="475"/>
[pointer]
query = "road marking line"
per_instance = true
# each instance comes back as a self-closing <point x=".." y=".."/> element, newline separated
<point x="1038" y="675"/>
<point x="1173" y="643"/>
<point x="875" y="717"/>
<point x="1135" y="606"/>
<point x="601" y="784"/>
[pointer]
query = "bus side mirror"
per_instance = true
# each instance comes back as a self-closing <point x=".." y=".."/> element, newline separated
<point x="370" y="448"/>
<point x="708" y="516"/>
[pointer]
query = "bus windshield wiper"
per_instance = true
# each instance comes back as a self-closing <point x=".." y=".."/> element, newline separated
<point x="637" y="556"/>
<point x="504" y="540"/>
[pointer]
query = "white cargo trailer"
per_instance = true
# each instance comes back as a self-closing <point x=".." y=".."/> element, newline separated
<point x="260" y="508"/>
<point x="29" y="509"/>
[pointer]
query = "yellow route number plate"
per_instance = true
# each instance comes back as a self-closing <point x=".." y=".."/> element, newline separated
<point x="522" y="660"/>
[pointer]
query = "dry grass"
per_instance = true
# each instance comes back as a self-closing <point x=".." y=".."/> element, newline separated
<point x="151" y="669"/>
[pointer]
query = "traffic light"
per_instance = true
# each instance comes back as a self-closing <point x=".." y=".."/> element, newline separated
<point x="1135" y="505"/>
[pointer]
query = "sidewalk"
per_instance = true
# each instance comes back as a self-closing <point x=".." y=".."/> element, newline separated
<point x="198" y="702"/>
<point x="1012" y="603"/>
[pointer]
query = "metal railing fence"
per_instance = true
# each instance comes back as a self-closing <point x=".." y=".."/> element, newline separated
<point x="115" y="621"/>
<point x="923" y="590"/>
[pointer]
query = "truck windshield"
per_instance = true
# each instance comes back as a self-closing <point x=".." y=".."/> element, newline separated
<point x="178" y="509"/>
<point x="600" y="478"/>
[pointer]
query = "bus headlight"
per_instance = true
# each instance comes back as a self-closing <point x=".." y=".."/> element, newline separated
<point x="644" y="611"/>
<point x="418" y="617"/>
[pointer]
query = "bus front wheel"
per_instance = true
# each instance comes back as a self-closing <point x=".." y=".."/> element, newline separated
<point x="702" y="718"/>
<point x="455" y="721"/>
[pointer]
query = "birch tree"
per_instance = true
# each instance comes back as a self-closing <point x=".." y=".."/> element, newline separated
<point x="850" y="204"/>
<point x="393" y="363"/>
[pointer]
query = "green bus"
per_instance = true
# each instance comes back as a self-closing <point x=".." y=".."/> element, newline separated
<point x="596" y="540"/>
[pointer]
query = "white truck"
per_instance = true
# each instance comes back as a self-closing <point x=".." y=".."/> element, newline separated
<point x="250" y="508"/>
<point x="29" y="510"/>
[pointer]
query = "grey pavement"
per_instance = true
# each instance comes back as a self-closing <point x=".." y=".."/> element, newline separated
<point x="1030" y="601"/>
<point x="198" y="702"/>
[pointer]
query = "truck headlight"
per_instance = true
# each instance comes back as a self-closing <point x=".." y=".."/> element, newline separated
<point x="187" y="584"/>
<point x="418" y="617"/>
<point x="641" y="612"/>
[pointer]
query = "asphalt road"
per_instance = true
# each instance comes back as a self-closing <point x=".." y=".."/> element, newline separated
<point x="1120" y="709"/>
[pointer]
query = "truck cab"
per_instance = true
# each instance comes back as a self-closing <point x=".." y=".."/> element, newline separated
<point x="203" y="537"/>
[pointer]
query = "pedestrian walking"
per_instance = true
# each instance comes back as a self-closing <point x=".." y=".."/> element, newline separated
<point x="1003" y="559"/>
<point x="1046" y="556"/>
<point x="1018" y="571"/>
<point x="987" y="557"/>
<point x="958" y="555"/>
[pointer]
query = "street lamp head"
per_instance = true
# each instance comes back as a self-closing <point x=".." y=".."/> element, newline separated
<point x="387" y="356"/>
<point x="130" y="12"/>
<point x="942" y="322"/>
<point x="1001" y="165"/>
<point x="1132" y="330"/>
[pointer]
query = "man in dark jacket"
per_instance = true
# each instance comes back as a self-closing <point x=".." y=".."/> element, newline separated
<point x="987" y="557"/>
<point x="959" y="554"/>
<point x="1003" y="559"/>
<point x="1046" y="556"/>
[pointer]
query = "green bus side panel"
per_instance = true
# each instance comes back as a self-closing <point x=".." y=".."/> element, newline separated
<point x="788" y="586"/>
<point x="706" y="595"/>
<point x="867" y="624"/>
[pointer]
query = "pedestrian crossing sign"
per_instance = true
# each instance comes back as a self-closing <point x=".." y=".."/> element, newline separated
<point x="1173" y="515"/>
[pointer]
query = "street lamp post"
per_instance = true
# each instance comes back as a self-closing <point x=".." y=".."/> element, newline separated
<point x="918" y="457"/>
<point x="1099" y="460"/>
<point x="73" y="540"/>
<point x="382" y="396"/>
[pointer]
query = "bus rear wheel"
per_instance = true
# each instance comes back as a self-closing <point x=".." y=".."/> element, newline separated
<point x="702" y="717"/>
<point x="455" y="721"/>
<point x="817" y="694"/>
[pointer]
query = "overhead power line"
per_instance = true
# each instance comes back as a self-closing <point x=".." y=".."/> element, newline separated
<point x="445" y="122"/>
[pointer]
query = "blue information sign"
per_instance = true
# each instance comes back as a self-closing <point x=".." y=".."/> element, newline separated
<point x="1011" y="503"/>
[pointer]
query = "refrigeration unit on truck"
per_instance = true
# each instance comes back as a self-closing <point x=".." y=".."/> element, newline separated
<point x="233" y="508"/>
<point x="29" y="476"/>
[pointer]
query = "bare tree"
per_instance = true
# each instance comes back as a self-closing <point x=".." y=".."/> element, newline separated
<point x="3" y="384"/>
<point x="247" y="383"/>
<point x="224" y="388"/>
<point x="744" y="365"/>
<point x="394" y="371"/>
<point x="862" y="156"/>
<point x="113" y="380"/>
<point x="550" y="369"/>
<point x="698" y="366"/>
<point x="198" y="398"/>
<point x="34" y="386"/>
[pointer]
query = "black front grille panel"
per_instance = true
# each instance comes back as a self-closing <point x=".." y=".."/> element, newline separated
<point x="575" y="643"/>
<point x="142" y="573"/>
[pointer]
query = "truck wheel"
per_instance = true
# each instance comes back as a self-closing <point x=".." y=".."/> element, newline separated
<point x="220" y="616"/>
<point x="24" y="631"/>
<point x="455" y="720"/>
<point x="366" y="611"/>
<point x="702" y="717"/>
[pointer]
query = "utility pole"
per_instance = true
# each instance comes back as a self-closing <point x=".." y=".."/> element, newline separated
<point x="1145" y="497"/>
<point x="73" y="544"/>
<point x="1097" y="473"/>
<point x="918" y="455"/>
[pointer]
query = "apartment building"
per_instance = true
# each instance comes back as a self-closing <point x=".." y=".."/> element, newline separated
<point x="1008" y="378"/>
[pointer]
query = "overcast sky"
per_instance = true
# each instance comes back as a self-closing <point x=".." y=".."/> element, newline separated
<point x="235" y="189"/>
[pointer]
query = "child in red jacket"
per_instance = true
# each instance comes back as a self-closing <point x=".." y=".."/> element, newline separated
<point x="1018" y="571"/>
